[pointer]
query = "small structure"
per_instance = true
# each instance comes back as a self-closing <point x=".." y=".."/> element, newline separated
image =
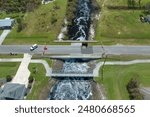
<point x="12" y="91"/>
<point x="6" y="23"/>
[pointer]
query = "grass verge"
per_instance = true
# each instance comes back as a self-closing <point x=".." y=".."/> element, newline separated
<point x="11" y="56"/>
<point x="116" y="78"/>
<point x="8" y="69"/>
<point x="40" y="82"/>
<point x="42" y="25"/>
<point x="121" y="26"/>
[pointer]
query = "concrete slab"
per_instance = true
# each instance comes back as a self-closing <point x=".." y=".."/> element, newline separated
<point x="4" y="35"/>
<point x="23" y="73"/>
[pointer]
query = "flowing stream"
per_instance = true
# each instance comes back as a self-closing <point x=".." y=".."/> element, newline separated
<point x="81" y="24"/>
<point x="75" y="88"/>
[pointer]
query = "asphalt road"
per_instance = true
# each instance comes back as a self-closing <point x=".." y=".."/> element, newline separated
<point x="146" y="92"/>
<point x="74" y="49"/>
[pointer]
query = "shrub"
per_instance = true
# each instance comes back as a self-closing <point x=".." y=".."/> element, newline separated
<point x="21" y="26"/>
<point x="29" y="86"/>
<point x="31" y="78"/>
<point x="53" y="20"/>
<point x="147" y="6"/>
<point x="8" y="78"/>
<point x="133" y="90"/>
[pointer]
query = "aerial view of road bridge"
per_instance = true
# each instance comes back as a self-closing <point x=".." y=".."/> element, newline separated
<point x="75" y="50"/>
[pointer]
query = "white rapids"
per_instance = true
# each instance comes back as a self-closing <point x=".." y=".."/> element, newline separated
<point x="75" y="88"/>
<point x="81" y="22"/>
<point x="72" y="88"/>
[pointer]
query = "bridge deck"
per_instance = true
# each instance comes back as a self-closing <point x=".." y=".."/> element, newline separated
<point x="83" y="56"/>
<point x="71" y="75"/>
<point x="74" y="50"/>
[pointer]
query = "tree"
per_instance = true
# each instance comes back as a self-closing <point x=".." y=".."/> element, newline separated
<point x="30" y="7"/>
<point x="133" y="90"/>
<point x="18" y="5"/>
<point x="147" y="7"/>
<point x="131" y="3"/>
<point x="21" y="26"/>
<point x="139" y="1"/>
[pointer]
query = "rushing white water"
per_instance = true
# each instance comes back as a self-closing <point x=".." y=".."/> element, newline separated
<point x="80" y="28"/>
<point x="71" y="89"/>
<point x="73" y="66"/>
<point x="75" y="88"/>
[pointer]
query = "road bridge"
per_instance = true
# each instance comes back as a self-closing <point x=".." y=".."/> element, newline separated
<point x="76" y="51"/>
<point x="53" y="50"/>
<point x="72" y="75"/>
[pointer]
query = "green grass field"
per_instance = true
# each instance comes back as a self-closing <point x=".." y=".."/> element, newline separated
<point x="1" y="32"/>
<point x="122" y="2"/>
<point x="41" y="81"/>
<point x="121" y="26"/>
<point x="8" y="69"/>
<point x="11" y="56"/>
<point x="39" y="28"/>
<point x="124" y="58"/>
<point x="116" y="78"/>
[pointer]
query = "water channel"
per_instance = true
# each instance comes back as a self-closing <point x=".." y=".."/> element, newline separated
<point x="75" y="88"/>
<point x="81" y="23"/>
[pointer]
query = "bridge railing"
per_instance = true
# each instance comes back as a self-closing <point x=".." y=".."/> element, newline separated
<point x="62" y="72"/>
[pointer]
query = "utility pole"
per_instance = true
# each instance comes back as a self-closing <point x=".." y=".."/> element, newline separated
<point x="45" y="48"/>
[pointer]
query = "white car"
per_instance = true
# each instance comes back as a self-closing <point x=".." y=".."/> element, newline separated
<point x="33" y="47"/>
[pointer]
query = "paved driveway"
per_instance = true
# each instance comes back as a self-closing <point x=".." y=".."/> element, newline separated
<point x="23" y="73"/>
<point x="3" y="35"/>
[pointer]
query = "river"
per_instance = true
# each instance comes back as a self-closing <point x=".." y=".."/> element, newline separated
<point x="75" y="88"/>
<point x="81" y="23"/>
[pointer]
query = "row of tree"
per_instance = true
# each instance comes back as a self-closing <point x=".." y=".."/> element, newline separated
<point x="18" y="5"/>
<point x="135" y="3"/>
<point x="132" y="3"/>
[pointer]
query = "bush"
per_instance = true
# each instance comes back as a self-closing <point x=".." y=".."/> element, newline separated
<point x="31" y="78"/>
<point x="8" y="78"/>
<point x="147" y="6"/>
<point x="21" y="26"/>
<point x="133" y="90"/>
<point x="29" y="86"/>
<point x="53" y="20"/>
<point x="133" y="83"/>
<point x="35" y="70"/>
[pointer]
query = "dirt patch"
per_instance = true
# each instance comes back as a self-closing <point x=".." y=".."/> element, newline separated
<point x="98" y="91"/>
<point x="45" y="91"/>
